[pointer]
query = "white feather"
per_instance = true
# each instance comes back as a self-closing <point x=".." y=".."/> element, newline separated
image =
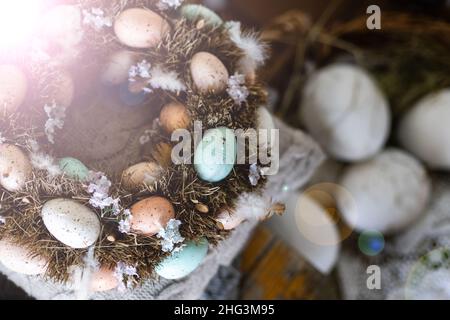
<point x="166" y="80"/>
<point x="251" y="206"/>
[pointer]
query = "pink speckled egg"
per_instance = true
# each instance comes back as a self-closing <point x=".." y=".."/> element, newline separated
<point x="150" y="215"/>
<point x="104" y="280"/>
<point x="208" y="73"/>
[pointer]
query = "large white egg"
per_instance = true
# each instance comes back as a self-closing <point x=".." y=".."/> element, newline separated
<point x="345" y="112"/>
<point x="62" y="25"/>
<point x="425" y="130"/>
<point x="15" y="168"/>
<point x="71" y="223"/>
<point x="116" y="70"/>
<point x="140" y="28"/>
<point x="388" y="192"/>
<point x="208" y="73"/>
<point x="13" y="88"/>
<point x="20" y="260"/>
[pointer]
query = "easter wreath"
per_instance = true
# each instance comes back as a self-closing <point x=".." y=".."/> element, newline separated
<point x="61" y="219"/>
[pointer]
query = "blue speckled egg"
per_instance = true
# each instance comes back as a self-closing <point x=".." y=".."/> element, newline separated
<point x="74" y="168"/>
<point x="181" y="263"/>
<point x="197" y="11"/>
<point x="215" y="155"/>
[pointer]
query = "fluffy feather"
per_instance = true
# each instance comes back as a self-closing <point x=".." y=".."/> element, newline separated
<point x="166" y="80"/>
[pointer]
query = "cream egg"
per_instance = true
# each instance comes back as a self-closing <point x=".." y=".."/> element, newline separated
<point x="209" y="73"/>
<point x="116" y="70"/>
<point x="150" y="215"/>
<point x="15" y="168"/>
<point x="389" y="192"/>
<point x="141" y="174"/>
<point x="174" y="116"/>
<point x="20" y="260"/>
<point x="104" y="280"/>
<point x="425" y="132"/>
<point x="345" y="111"/>
<point x="71" y="223"/>
<point x="140" y="28"/>
<point x="62" y="25"/>
<point x="13" y="88"/>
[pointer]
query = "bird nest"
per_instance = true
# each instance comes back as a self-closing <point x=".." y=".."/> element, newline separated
<point x="35" y="130"/>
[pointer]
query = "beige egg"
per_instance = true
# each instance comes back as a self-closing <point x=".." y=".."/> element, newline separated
<point x="174" y="116"/>
<point x="144" y="173"/>
<point x="13" y="88"/>
<point x="150" y="215"/>
<point x="20" y="260"/>
<point x="63" y="89"/>
<point x="62" y="25"/>
<point x="209" y="73"/>
<point x="15" y="168"/>
<point x="229" y="221"/>
<point x="140" y="28"/>
<point x="117" y="67"/>
<point x="104" y="280"/>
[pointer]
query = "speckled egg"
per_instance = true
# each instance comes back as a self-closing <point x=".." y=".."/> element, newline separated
<point x="15" y="168"/>
<point x="117" y="68"/>
<point x="140" y="28"/>
<point x="182" y="263"/>
<point x="71" y="223"/>
<point x="104" y="280"/>
<point x="215" y="155"/>
<point x="150" y="215"/>
<point x="74" y="168"/>
<point x="196" y="12"/>
<point x="208" y="73"/>
<point x="389" y="192"/>
<point x="229" y="221"/>
<point x="20" y="260"/>
<point x="174" y="116"/>
<point x="13" y="88"/>
<point x="144" y="173"/>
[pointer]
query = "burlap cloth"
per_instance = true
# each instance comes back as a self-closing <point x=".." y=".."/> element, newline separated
<point x="110" y="126"/>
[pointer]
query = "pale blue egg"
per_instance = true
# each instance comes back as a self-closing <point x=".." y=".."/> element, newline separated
<point x="215" y="156"/>
<point x="197" y="11"/>
<point x="179" y="264"/>
<point x="74" y="168"/>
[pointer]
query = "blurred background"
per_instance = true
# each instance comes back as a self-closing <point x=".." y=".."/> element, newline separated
<point x="369" y="81"/>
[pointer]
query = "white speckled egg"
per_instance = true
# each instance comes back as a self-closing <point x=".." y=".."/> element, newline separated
<point x="62" y="25"/>
<point x="425" y="130"/>
<point x="20" y="260"/>
<point x="104" y="280"/>
<point x="116" y="70"/>
<point x="181" y="263"/>
<point x="197" y="11"/>
<point x="144" y="173"/>
<point x="71" y="223"/>
<point x="15" y="168"/>
<point x="140" y="28"/>
<point x="13" y="88"/>
<point x="208" y="73"/>
<point x="388" y="192"/>
<point x="345" y="112"/>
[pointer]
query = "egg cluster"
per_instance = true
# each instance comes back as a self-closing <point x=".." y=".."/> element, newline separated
<point x="186" y="58"/>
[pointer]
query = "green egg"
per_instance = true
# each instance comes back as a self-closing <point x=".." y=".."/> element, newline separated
<point x="197" y="11"/>
<point x="181" y="263"/>
<point x="215" y="156"/>
<point x="74" y="168"/>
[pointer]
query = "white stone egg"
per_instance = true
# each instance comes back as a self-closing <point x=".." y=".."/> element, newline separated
<point x="345" y="112"/>
<point x="71" y="223"/>
<point x="116" y="70"/>
<point x="15" y="168"/>
<point x="20" y="260"/>
<point x="13" y="88"/>
<point x="62" y="25"/>
<point x="425" y="130"/>
<point x="389" y="192"/>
